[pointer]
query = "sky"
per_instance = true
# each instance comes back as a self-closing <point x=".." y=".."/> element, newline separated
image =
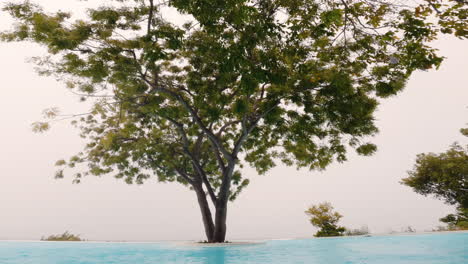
<point x="426" y="117"/>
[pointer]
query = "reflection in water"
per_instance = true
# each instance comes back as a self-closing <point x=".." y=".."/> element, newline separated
<point x="327" y="250"/>
<point x="215" y="255"/>
<point x="203" y="255"/>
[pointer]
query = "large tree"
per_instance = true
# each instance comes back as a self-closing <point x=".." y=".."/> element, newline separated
<point x="444" y="175"/>
<point x="240" y="82"/>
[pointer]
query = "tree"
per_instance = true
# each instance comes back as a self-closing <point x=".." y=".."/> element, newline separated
<point x="445" y="176"/>
<point x="66" y="236"/>
<point x="323" y="217"/>
<point x="240" y="82"/>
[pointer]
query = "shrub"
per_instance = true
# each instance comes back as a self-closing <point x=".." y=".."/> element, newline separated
<point x="66" y="236"/>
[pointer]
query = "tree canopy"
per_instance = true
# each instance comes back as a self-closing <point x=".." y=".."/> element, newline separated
<point x="238" y="82"/>
<point x="444" y="175"/>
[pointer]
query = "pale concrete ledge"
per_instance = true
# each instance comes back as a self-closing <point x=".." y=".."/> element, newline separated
<point x="231" y="243"/>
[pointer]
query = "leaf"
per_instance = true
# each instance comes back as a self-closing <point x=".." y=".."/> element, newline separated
<point x="39" y="127"/>
<point x="464" y="131"/>
<point x="60" y="162"/>
<point x="366" y="149"/>
<point x="51" y="113"/>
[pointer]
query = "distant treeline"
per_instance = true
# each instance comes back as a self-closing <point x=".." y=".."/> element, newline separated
<point x="357" y="232"/>
<point x="66" y="236"/>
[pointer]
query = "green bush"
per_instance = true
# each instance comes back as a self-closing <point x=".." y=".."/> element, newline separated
<point x="66" y="236"/>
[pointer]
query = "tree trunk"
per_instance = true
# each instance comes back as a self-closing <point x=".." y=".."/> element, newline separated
<point x="206" y="214"/>
<point x="216" y="233"/>
<point x="219" y="235"/>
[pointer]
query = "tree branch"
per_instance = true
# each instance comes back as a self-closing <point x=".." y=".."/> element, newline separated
<point x="197" y="119"/>
<point x="196" y="151"/>
<point x="221" y="130"/>
<point x="210" y="190"/>
<point x="150" y="16"/>
<point x="211" y="136"/>
<point x="221" y="164"/>
<point x="193" y="158"/>
<point x="247" y="129"/>
<point x="185" y="176"/>
<point x="179" y="171"/>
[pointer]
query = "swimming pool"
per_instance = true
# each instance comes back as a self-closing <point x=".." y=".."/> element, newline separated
<point x="442" y="248"/>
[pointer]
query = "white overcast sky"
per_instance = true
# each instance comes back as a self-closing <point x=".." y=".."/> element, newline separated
<point x="426" y="117"/>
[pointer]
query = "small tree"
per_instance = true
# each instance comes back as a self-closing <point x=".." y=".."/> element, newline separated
<point x="445" y="176"/>
<point x="323" y="217"/>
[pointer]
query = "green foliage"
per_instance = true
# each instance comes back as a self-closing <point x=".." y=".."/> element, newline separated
<point x="444" y="175"/>
<point x="464" y="131"/>
<point x="66" y="236"/>
<point x="323" y="217"/>
<point x="40" y="127"/>
<point x="303" y="88"/>
<point x="458" y="221"/>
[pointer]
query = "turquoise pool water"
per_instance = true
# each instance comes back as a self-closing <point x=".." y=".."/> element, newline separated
<point x="403" y="249"/>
